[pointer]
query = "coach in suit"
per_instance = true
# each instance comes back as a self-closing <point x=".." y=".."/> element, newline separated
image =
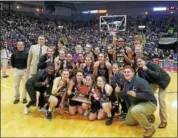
<point x="35" y="52"/>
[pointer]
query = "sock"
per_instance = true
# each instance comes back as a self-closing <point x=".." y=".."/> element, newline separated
<point x="49" y="110"/>
<point x="109" y="114"/>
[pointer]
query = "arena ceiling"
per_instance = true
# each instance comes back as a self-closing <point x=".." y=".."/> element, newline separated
<point x="84" y="5"/>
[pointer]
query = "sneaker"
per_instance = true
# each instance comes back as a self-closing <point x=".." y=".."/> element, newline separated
<point x="162" y="125"/>
<point x="48" y="115"/>
<point x="86" y="113"/>
<point x="5" y="76"/>
<point x="149" y="133"/>
<point x="24" y="101"/>
<point x="42" y="109"/>
<point x="16" y="101"/>
<point x="26" y="110"/>
<point x="109" y="121"/>
<point x="122" y="116"/>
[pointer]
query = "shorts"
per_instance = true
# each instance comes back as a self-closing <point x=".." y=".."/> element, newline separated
<point x="59" y="101"/>
<point x="74" y="103"/>
<point x="95" y="106"/>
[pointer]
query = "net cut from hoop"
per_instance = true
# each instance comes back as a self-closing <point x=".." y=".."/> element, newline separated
<point x="113" y="23"/>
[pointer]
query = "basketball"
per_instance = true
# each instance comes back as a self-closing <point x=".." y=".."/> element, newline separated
<point x="83" y="90"/>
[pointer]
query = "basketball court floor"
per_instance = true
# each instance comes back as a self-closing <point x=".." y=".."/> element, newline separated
<point x="15" y="124"/>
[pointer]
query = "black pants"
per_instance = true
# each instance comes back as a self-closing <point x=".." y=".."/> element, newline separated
<point x="32" y="94"/>
<point x="124" y="108"/>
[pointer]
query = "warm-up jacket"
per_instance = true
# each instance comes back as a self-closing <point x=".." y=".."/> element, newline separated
<point x="143" y="91"/>
<point x="155" y="75"/>
<point x="41" y="76"/>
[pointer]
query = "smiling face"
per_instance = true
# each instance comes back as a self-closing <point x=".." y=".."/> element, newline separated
<point x="100" y="82"/>
<point x="20" y="46"/>
<point x="50" y="52"/>
<point x="120" y="42"/>
<point x="140" y="62"/>
<point x="41" y="40"/>
<point x="115" y="68"/>
<point x="65" y="75"/>
<point x="69" y="57"/>
<point x="88" y="80"/>
<point x="88" y="61"/>
<point x="128" y="74"/>
<point x="79" y="76"/>
<point x="101" y="58"/>
<point x="137" y="42"/>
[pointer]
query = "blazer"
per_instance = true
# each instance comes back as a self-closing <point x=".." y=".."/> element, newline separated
<point x="33" y="57"/>
<point x="42" y="62"/>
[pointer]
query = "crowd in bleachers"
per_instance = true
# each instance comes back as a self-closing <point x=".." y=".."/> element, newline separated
<point x="17" y="26"/>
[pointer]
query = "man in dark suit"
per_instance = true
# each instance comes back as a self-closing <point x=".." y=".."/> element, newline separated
<point x="44" y="59"/>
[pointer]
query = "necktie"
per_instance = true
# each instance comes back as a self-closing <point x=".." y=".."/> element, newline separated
<point x="40" y="51"/>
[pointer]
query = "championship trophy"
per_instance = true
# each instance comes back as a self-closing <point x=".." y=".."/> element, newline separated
<point x="80" y="95"/>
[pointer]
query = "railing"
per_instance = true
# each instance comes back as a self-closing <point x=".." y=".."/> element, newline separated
<point x="167" y="64"/>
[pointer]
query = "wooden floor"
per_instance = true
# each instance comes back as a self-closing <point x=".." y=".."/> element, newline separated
<point x="15" y="124"/>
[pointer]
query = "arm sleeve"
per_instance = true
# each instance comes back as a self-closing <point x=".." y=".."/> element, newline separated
<point x="29" y="58"/>
<point x="144" y="91"/>
<point x="38" y="81"/>
<point x="42" y="63"/>
<point x="154" y="71"/>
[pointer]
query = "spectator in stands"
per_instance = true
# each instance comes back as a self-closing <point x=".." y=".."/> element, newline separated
<point x="5" y="55"/>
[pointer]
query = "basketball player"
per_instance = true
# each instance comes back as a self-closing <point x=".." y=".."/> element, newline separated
<point x="60" y="63"/>
<point x="96" y="52"/>
<point x="110" y="52"/>
<point x="70" y="65"/>
<point x="58" y="94"/>
<point x="89" y="84"/>
<point x="88" y="67"/>
<point x="123" y="54"/>
<point x="118" y="80"/>
<point x="80" y="62"/>
<point x="103" y="100"/>
<point x="73" y="89"/>
<point x="102" y="68"/>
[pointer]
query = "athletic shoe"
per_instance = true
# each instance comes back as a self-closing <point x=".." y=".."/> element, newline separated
<point x="48" y="115"/>
<point x="109" y="121"/>
<point x="16" y="101"/>
<point x="149" y="133"/>
<point x="26" y="110"/>
<point x="122" y="116"/>
<point x="24" y="101"/>
<point x="5" y="76"/>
